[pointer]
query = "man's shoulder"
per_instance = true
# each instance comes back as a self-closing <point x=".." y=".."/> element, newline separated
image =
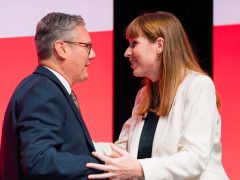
<point x="35" y="83"/>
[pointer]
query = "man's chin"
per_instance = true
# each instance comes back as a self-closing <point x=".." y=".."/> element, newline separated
<point x="82" y="78"/>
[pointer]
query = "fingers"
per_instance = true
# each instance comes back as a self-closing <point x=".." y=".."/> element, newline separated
<point x="102" y="167"/>
<point x="118" y="150"/>
<point x="114" y="154"/>
<point x="101" y="156"/>
<point x="100" y="176"/>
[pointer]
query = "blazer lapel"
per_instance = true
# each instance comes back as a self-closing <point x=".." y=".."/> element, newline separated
<point x="45" y="72"/>
<point x="159" y="133"/>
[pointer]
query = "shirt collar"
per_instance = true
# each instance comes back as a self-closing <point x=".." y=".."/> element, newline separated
<point x="61" y="79"/>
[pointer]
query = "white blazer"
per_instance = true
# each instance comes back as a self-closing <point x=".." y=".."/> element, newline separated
<point x="187" y="143"/>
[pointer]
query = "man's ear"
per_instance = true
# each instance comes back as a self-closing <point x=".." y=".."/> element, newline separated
<point x="160" y="45"/>
<point x="60" y="49"/>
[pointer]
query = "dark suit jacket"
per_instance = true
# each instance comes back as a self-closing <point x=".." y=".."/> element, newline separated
<point x="44" y="135"/>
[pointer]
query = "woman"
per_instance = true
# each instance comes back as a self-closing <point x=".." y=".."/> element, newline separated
<point x="175" y="128"/>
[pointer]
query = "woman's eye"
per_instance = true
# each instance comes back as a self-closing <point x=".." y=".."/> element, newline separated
<point x="133" y="44"/>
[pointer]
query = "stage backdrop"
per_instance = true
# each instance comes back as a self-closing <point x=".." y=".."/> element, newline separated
<point x="18" y="57"/>
<point x="226" y="74"/>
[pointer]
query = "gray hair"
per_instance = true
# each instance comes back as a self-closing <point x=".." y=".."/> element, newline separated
<point x="52" y="27"/>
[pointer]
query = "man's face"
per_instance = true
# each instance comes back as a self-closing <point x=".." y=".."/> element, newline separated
<point x="79" y="55"/>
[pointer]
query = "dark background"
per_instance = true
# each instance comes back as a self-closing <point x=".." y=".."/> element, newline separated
<point x="197" y="19"/>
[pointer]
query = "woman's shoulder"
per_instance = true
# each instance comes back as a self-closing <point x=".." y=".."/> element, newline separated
<point x="194" y="78"/>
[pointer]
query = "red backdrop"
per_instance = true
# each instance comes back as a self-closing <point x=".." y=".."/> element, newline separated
<point x="18" y="59"/>
<point x="227" y="79"/>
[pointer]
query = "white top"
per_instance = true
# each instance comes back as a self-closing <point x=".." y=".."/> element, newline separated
<point x="187" y="143"/>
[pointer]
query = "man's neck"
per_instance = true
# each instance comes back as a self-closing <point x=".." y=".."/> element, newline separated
<point x="56" y="67"/>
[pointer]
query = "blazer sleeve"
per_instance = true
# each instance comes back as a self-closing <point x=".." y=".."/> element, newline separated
<point x="196" y="142"/>
<point x="123" y="139"/>
<point x="41" y="114"/>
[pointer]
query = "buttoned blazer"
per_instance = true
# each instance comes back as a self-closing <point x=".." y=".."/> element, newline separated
<point x="44" y="135"/>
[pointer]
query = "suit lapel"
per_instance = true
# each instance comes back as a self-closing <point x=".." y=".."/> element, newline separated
<point x="80" y="119"/>
<point x="45" y="72"/>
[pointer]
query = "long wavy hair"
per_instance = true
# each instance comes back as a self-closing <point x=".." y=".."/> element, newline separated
<point x="176" y="59"/>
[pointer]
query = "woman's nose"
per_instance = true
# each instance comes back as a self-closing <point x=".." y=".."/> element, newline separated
<point x="127" y="52"/>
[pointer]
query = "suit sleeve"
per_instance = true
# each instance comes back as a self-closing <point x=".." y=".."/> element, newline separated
<point x="196" y="142"/>
<point x="41" y="120"/>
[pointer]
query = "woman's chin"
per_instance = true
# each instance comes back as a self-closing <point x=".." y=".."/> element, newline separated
<point x="137" y="74"/>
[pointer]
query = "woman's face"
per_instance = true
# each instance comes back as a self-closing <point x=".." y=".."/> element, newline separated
<point x="144" y="57"/>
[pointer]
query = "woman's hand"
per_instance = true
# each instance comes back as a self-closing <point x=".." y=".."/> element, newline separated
<point x="122" y="167"/>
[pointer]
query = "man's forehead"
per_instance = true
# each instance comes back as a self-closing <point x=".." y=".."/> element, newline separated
<point x="82" y="33"/>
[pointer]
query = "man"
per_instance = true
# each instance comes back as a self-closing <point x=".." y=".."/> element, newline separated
<point x="44" y="135"/>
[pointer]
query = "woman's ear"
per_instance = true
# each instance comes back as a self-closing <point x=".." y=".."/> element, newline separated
<point x="60" y="49"/>
<point x="160" y="45"/>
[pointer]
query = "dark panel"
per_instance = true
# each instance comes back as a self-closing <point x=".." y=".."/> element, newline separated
<point x="196" y="17"/>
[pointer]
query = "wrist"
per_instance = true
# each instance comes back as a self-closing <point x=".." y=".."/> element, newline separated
<point x="139" y="172"/>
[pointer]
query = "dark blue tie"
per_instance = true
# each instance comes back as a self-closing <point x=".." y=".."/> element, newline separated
<point x="147" y="136"/>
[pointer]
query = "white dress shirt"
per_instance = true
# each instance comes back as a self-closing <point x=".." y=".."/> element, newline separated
<point x="61" y="79"/>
